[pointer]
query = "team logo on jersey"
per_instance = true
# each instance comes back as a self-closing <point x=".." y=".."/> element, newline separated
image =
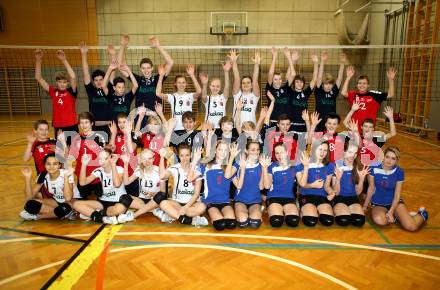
<point x="281" y="91"/>
<point x="221" y="103"/>
<point x="251" y="101"/>
<point x="188" y="103"/>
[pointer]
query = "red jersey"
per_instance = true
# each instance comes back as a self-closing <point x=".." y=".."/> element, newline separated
<point x="92" y="145"/>
<point x="369" y="105"/>
<point x="290" y="140"/>
<point x="120" y="148"/>
<point x="64" y="107"/>
<point x="39" y="150"/>
<point x="153" y="142"/>
<point x="335" y="143"/>
<point x="369" y="152"/>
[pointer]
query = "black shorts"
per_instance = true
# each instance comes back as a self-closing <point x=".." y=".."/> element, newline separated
<point x="298" y="127"/>
<point x="133" y="188"/>
<point x="145" y="200"/>
<point x="107" y="204"/>
<point x="313" y="199"/>
<point x="388" y="206"/>
<point x="219" y="206"/>
<point x="347" y="200"/>
<point x="280" y="200"/>
<point x="88" y="189"/>
<point x="248" y="205"/>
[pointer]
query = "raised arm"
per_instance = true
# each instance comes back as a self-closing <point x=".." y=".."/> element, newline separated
<point x="163" y="172"/>
<point x="68" y="186"/>
<point x="30" y="141"/>
<point x="238" y="181"/>
<point x="301" y="177"/>
<point x="113" y="65"/>
<point x="265" y="176"/>
<point x="264" y="115"/>
<point x="84" y="63"/>
<point x="27" y="173"/>
<point x="270" y="109"/>
<point x="134" y="83"/>
<point x="117" y="180"/>
<point x="295" y="57"/>
<point x="226" y="68"/>
<point x="161" y="71"/>
<point x="113" y="59"/>
<point x="342" y="62"/>
<point x="370" y="191"/>
<point x="290" y="69"/>
<point x="238" y="106"/>
<point x="315" y="61"/>
<point x="120" y="57"/>
<point x="62" y="57"/>
<point x="350" y="73"/>
<point x="83" y="179"/>
<point x="324" y="58"/>
<point x="233" y="56"/>
<point x="271" y="71"/>
<point x="127" y="179"/>
<point x="233" y="152"/>
<point x="204" y="79"/>
<point x="255" y="83"/>
<point x="350" y="113"/>
<point x="38" y="77"/>
<point x="197" y="155"/>
<point x="362" y="175"/>
<point x="190" y="69"/>
<point x="154" y="42"/>
<point x="391" y="75"/>
<point x="389" y="113"/>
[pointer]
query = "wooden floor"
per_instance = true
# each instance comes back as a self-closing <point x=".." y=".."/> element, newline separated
<point x="147" y="254"/>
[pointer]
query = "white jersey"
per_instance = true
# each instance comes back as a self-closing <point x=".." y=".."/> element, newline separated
<point x="249" y="110"/>
<point x="109" y="191"/>
<point x="179" y="105"/>
<point x="183" y="190"/>
<point x="149" y="183"/>
<point x="215" y="108"/>
<point x="56" y="187"/>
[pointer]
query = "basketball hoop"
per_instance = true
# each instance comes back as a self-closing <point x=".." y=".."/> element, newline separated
<point x="228" y="32"/>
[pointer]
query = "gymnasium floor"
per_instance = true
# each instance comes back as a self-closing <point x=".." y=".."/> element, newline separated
<point x="148" y="254"/>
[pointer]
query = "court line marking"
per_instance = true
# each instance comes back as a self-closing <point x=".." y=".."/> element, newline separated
<point x="42" y="234"/>
<point x="378" y="231"/>
<point x="312" y="241"/>
<point x="243" y="251"/>
<point x="38" y="238"/>
<point x="77" y="265"/>
<point x="30" y="272"/>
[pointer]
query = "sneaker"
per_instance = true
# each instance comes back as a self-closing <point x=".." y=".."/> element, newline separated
<point x="166" y="218"/>
<point x="199" y="221"/>
<point x="111" y="220"/>
<point x="84" y="217"/>
<point x="157" y="212"/>
<point x="28" y="216"/>
<point x="126" y="217"/>
<point x="422" y="211"/>
<point x="71" y="216"/>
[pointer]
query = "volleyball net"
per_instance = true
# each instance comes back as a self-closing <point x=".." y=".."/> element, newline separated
<point x="417" y="81"/>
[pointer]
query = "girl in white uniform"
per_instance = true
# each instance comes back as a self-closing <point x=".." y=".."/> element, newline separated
<point x="215" y="103"/>
<point x="180" y="101"/>
<point x="246" y="89"/>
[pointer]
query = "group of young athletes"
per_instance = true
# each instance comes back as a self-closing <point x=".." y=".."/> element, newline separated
<point x="112" y="164"/>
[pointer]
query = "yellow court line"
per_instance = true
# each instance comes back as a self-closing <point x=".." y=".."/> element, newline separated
<point x="358" y="246"/>
<point x="80" y="265"/>
<point x="232" y="249"/>
<point x="30" y="272"/>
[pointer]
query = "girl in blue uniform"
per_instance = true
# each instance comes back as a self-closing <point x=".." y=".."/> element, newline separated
<point x="348" y="183"/>
<point x="216" y="186"/>
<point x="279" y="179"/>
<point x="316" y="194"/>
<point x="384" y="192"/>
<point x="248" y="182"/>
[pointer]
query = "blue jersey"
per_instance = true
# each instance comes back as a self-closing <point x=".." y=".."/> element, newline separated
<point x="317" y="172"/>
<point x="283" y="180"/>
<point x="250" y="191"/>
<point x="385" y="184"/>
<point x="348" y="187"/>
<point x="216" y="185"/>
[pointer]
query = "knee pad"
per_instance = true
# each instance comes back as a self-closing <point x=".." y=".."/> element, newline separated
<point x="292" y="220"/>
<point x="254" y="223"/>
<point x="159" y="197"/>
<point x="357" y="220"/>
<point x="326" y="220"/>
<point x="219" y="225"/>
<point x="62" y="210"/>
<point x="126" y="200"/>
<point x="244" y="224"/>
<point x="310" y="221"/>
<point x="230" y="224"/>
<point x="276" y="221"/>
<point x="33" y="206"/>
<point x="97" y="216"/>
<point x="343" y="220"/>
<point x="184" y="219"/>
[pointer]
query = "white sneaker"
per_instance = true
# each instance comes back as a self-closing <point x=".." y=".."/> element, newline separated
<point x="166" y="218"/>
<point x="157" y="212"/>
<point x="84" y="217"/>
<point x="199" y="221"/>
<point x="126" y="217"/>
<point x="111" y="220"/>
<point x="71" y="216"/>
<point x="28" y="216"/>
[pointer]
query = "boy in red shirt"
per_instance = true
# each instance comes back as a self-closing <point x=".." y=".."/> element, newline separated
<point x="369" y="101"/>
<point x="63" y="96"/>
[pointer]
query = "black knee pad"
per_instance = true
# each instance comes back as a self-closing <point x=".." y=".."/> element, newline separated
<point x="343" y="220"/>
<point x="244" y="224"/>
<point x="254" y="223"/>
<point x="230" y="224"/>
<point x="184" y="219"/>
<point x="33" y="206"/>
<point x="159" y="197"/>
<point x="97" y="216"/>
<point x="326" y="220"/>
<point x="126" y="200"/>
<point x="62" y="210"/>
<point x="357" y="220"/>
<point x="219" y="225"/>
<point x="310" y="221"/>
<point x="276" y="221"/>
<point x="292" y="220"/>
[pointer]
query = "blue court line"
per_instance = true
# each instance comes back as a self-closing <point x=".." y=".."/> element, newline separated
<point x="378" y="230"/>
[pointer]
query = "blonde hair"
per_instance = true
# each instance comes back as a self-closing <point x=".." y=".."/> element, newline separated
<point x="248" y="125"/>
<point x="394" y="150"/>
<point x="142" y="157"/>
<point x="328" y="79"/>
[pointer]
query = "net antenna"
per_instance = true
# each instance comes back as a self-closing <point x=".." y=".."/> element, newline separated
<point x="229" y="26"/>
